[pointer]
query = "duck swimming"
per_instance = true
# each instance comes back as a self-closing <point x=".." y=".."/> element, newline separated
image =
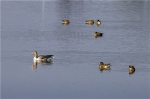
<point x="41" y="58"/>
<point x="104" y="66"/>
<point x="65" y="21"/>
<point x="89" y="22"/>
<point x="131" y="69"/>
<point x="97" y="34"/>
<point x="98" y="22"/>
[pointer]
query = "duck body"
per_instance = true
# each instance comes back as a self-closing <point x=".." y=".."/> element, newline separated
<point x="104" y="66"/>
<point x="98" y="22"/>
<point x="97" y="34"/>
<point x="131" y="68"/>
<point x="89" y="22"/>
<point x="65" y="21"/>
<point x="42" y="58"/>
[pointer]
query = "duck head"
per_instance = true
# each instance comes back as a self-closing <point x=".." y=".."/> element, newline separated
<point x="101" y="63"/>
<point x="35" y="53"/>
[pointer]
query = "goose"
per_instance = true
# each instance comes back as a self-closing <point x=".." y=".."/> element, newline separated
<point x="97" y="34"/>
<point x="65" y="21"/>
<point x="89" y="22"/>
<point x="42" y="58"/>
<point x="98" y="22"/>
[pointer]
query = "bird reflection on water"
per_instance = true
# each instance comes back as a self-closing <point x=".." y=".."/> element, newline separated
<point x="45" y="63"/>
<point x="101" y="69"/>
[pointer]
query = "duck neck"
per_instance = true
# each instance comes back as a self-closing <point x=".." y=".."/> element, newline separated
<point x="36" y="55"/>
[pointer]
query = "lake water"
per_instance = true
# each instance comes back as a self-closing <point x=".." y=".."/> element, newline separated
<point x="74" y="72"/>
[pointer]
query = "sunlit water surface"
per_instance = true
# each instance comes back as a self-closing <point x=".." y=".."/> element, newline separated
<point x="74" y="72"/>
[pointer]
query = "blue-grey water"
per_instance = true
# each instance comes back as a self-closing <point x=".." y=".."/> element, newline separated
<point x="74" y="72"/>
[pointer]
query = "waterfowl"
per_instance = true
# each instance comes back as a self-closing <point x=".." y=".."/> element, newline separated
<point x="98" y="22"/>
<point x="97" y="34"/>
<point x="65" y="21"/>
<point x="104" y="66"/>
<point x="41" y="58"/>
<point x="89" y="22"/>
<point x="131" y="69"/>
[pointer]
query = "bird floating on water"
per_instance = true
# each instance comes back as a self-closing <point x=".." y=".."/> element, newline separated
<point x="98" y="22"/>
<point x="65" y="22"/>
<point x="89" y="22"/>
<point x="131" y="69"/>
<point x="42" y="58"/>
<point x="97" y="34"/>
<point x="104" y="66"/>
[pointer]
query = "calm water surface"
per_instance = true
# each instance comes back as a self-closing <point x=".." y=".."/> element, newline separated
<point x="74" y="72"/>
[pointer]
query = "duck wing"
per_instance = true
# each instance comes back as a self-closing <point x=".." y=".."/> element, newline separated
<point x="46" y="56"/>
<point x="108" y="64"/>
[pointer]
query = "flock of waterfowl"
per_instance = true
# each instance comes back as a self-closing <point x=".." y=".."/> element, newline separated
<point x="48" y="58"/>
<point x="103" y="66"/>
<point x="90" y="22"/>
